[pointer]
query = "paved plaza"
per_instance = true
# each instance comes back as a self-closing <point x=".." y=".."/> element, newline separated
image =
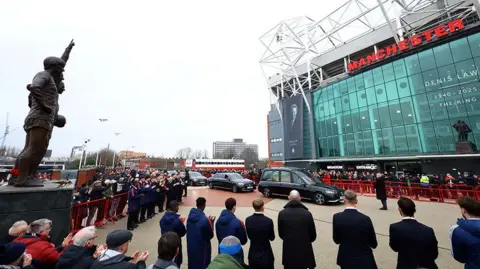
<point x="438" y="216"/>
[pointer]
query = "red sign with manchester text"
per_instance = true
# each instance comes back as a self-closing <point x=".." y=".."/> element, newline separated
<point x="414" y="41"/>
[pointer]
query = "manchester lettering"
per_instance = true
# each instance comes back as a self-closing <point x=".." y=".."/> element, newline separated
<point x="438" y="32"/>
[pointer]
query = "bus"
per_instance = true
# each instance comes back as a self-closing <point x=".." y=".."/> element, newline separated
<point x="42" y="169"/>
<point x="214" y="164"/>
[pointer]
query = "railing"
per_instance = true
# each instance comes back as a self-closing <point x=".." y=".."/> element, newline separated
<point x="98" y="212"/>
<point x="443" y="193"/>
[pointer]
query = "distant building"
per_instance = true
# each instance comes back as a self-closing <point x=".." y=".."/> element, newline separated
<point x="233" y="149"/>
<point x="132" y="154"/>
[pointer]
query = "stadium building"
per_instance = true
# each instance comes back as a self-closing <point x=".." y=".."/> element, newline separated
<point x="377" y="85"/>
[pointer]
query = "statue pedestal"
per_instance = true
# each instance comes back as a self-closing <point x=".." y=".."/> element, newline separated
<point x="465" y="147"/>
<point x="31" y="203"/>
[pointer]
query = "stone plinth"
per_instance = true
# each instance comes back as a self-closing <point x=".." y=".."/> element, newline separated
<point x="32" y="203"/>
<point x="465" y="147"/>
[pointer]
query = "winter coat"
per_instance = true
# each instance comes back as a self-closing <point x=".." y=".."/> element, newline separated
<point x="162" y="264"/>
<point x="40" y="248"/>
<point x="225" y="261"/>
<point x="133" y="199"/>
<point x="170" y="222"/>
<point x="228" y="224"/>
<point x="297" y="230"/>
<point x="380" y="189"/>
<point x="465" y="238"/>
<point x="199" y="234"/>
<point x="73" y="255"/>
<point x="117" y="262"/>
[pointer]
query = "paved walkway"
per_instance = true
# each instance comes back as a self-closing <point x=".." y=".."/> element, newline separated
<point x="438" y="216"/>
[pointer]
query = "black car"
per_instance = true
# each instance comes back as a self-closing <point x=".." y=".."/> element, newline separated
<point x="197" y="179"/>
<point x="280" y="181"/>
<point x="231" y="181"/>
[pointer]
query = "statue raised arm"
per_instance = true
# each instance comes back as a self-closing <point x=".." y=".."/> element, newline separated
<point x="66" y="53"/>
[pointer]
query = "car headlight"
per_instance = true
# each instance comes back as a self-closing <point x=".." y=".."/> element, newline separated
<point x="240" y="184"/>
<point x="195" y="179"/>
<point x="331" y="192"/>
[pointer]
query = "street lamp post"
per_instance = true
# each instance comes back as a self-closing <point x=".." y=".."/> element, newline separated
<point x="83" y="152"/>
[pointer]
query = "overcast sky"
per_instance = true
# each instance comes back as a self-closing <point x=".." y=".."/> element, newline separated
<point x="166" y="74"/>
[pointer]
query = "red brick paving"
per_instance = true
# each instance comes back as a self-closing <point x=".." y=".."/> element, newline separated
<point x="218" y="197"/>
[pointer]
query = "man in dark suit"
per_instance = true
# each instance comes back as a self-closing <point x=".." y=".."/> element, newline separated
<point x="380" y="190"/>
<point x="415" y="243"/>
<point x="297" y="230"/>
<point x="260" y="231"/>
<point x="355" y="234"/>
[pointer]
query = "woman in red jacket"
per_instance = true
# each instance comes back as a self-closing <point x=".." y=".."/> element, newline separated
<point x="37" y="242"/>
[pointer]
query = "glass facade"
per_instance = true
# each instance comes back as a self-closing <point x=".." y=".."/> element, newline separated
<point x="403" y="107"/>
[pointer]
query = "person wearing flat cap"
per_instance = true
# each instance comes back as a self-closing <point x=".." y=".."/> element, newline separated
<point x="114" y="257"/>
<point x="13" y="256"/>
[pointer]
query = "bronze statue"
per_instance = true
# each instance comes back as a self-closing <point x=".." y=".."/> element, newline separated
<point x="462" y="129"/>
<point x="43" y="116"/>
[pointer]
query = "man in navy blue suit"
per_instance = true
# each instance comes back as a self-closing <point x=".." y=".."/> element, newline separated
<point x="260" y="231"/>
<point x="355" y="234"/>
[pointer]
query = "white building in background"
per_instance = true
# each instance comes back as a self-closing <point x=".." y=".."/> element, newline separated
<point x="234" y="148"/>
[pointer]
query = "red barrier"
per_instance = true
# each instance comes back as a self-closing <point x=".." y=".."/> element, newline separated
<point x="98" y="212"/>
<point x="431" y="193"/>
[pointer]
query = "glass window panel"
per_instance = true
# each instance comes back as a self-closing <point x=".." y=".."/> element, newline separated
<point x="357" y="125"/>
<point x="454" y="102"/>
<point x="328" y="127"/>
<point x="412" y="64"/>
<point x="475" y="126"/>
<point x="320" y="124"/>
<point x="323" y="109"/>
<point x="368" y="79"/>
<point x="392" y="92"/>
<point x="384" y="113"/>
<point x="359" y="84"/>
<point x="447" y="76"/>
<point x="443" y="56"/>
<point x="466" y="71"/>
<point x="335" y="125"/>
<point x="352" y="98"/>
<point x="436" y="102"/>
<point x="403" y="87"/>
<point x="413" y="139"/>
<point x="431" y="80"/>
<point x="407" y="111"/>
<point x="336" y="90"/>
<point x="395" y="113"/>
<point x="388" y="74"/>
<point x="444" y="135"/>
<point x="359" y="144"/>
<point x="365" y="119"/>
<point x="368" y="143"/>
<point x="401" y="144"/>
<point x="429" y="141"/>
<point x="471" y="98"/>
<point x="350" y="145"/>
<point x="379" y="137"/>
<point x="331" y="106"/>
<point x="331" y="147"/>
<point x="338" y="105"/>
<point x="351" y="84"/>
<point x="388" y="147"/>
<point x="380" y="93"/>
<point x="336" y="145"/>
<point x="422" y="109"/>
<point x="474" y="41"/>
<point x="347" y="123"/>
<point x="329" y="92"/>
<point x="460" y="49"/>
<point x="371" y="96"/>
<point x="427" y="60"/>
<point x="399" y="69"/>
<point x="377" y="76"/>
<point x="417" y="83"/>
<point x="345" y="103"/>
<point x="343" y="87"/>
<point x="374" y="117"/>
<point x="324" y="146"/>
<point x="362" y="98"/>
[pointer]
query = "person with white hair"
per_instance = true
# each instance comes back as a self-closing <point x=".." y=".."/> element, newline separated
<point x="296" y="228"/>
<point x="19" y="228"/>
<point x="230" y="255"/>
<point x="37" y="240"/>
<point x="82" y="252"/>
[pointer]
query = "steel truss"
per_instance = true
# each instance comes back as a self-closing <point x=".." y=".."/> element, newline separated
<point x="293" y="45"/>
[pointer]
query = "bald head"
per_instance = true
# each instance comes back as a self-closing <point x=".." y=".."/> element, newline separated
<point x="84" y="237"/>
<point x="294" y="195"/>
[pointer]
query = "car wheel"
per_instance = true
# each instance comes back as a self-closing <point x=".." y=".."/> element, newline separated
<point x="319" y="198"/>
<point x="267" y="193"/>
<point x="210" y="185"/>
<point x="235" y="188"/>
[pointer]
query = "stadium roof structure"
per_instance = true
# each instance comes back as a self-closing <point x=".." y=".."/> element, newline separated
<point x="302" y="54"/>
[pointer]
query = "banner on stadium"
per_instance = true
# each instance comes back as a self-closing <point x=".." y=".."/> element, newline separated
<point x="293" y="127"/>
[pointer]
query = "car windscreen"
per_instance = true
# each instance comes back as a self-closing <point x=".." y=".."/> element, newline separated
<point x="308" y="177"/>
<point x="195" y="174"/>
<point x="235" y="176"/>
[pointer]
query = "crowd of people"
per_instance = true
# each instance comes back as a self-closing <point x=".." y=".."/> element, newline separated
<point x="28" y="246"/>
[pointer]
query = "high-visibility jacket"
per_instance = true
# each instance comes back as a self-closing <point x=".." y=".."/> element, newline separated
<point x="424" y="179"/>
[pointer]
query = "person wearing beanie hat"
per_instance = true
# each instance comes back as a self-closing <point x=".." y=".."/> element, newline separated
<point x="13" y="256"/>
<point x="230" y="255"/>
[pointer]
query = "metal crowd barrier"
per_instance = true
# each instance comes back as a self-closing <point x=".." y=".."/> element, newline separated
<point x="442" y="193"/>
<point x="98" y="212"/>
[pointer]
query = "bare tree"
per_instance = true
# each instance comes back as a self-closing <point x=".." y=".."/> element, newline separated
<point x="198" y="154"/>
<point x="184" y="153"/>
<point x="250" y="156"/>
<point x="205" y="154"/>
